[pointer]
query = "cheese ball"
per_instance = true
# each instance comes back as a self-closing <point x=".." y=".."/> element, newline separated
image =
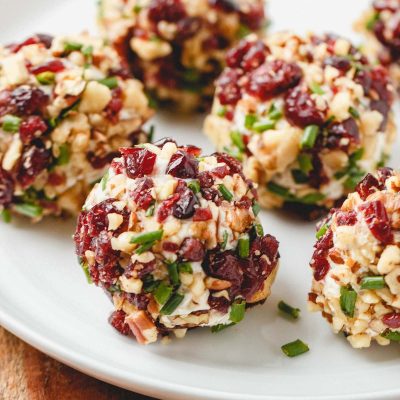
<point x="66" y="106"/>
<point x="356" y="263"/>
<point x="307" y="116"/>
<point x="173" y="237"/>
<point x="380" y="25"/>
<point x="177" y="47"/>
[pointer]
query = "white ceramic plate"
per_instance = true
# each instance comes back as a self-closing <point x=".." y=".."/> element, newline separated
<point x="45" y="300"/>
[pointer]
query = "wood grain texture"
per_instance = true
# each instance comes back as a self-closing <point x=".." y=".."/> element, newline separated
<point x="27" y="374"/>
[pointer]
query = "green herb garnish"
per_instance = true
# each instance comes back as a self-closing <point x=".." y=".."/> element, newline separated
<point x="220" y="327"/>
<point x="185" y="268"/>
<point x="289" y="310"/>
<point x="111" y="82"/>
<point x="373" y="282"/>
<point x="249" y="120"/>
<point x="294" y="349"/>
<point x="104" y="180"/>
<point x="72" y="46"/>
<point x="64" y="155"/>
<point x="147" y="237"/>
<point x="391" y="335"/>
<point x="316" y="88"/>
<point x="309" y="137"/>
<point x="244" y="246"/>
<point x="46" y="78"/>
<point x="85" y="269"/>
<point x="6" y="216"/>
<point x="237" y="140"/>
<point x="348" y="298"/>
<point x="256" y="208"/>
<point x="226" y="194"/>
<point x="238" y="308"/>
<point x="194" y="186"/>
<point x="11" y="123"/>
<point x="354" y="112"/>
<point x="321" y="231"/>
<point x="224" y="243"/>
<point x="173" y="274"/>
<point x="172" y="304"/>
<point x="162" y="293"/>
<point x="29" y="210"/>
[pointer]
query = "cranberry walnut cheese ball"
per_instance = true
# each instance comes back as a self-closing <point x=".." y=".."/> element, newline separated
<point x="66" y="106"/>
<point x="381" y="26"/>
<point x="308" y="117"/>
<point x="173" y="236"/>
<point x="177" y="47"/>
<point x="356" y="263"/>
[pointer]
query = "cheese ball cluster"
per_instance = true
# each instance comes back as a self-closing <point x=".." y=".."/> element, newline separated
<point x="381" y="26"/>
<point x="177" y="47"/>
<point x="173" y="236"/>
<point x="356" y="263"/>
<point x="308" y="117"/>
<point x="66" y="106"/>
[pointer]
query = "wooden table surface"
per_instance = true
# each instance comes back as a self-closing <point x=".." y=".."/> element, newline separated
<point x="26" y="373"/>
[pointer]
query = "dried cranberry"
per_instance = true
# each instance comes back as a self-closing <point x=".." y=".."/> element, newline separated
<point x="221" y="171"/>
<point x="170" y="246"/>
<point x="182" y="165"/>
<point x="384" y="174"/>
<point x="232" y="163"/>
<point x="31" y="128"/>
<point x="211" y="194"/>
<point x="220" y="304"/>
<point x="254" y="17"/>
<point x="234" y="56"/>
<point x="273" y="78"/>
<point x="321" y="267"/>
<point x="167" y="74"/>
<point x="114" y="106"/>
<point x="28" y="100"/>
<point x="378" y="222"/>
<point x="301" y="110"/>
<point x="46" y="40"/>
<point x="247" y="55"/>
<point x="367" y="186"/>
<point x="141" y="195"/>
<point x="51" y="66"/>
<point x="192" y="250"/>
<point x="193" y="150"/>
<point x="160" y="143"/>
<point x="55" y="179"/>
<point x="319" y="260"/>
<point x="5" y="103"/>
<point x="184" y="208"/>
<point x="202" y="214"/>
<point x="187" y="28"/>
<point x="205" y="179"/>
<point x="338" y="131"/>
<point x="138" y="161"/>
<point x="140" y="301"/>
<point x="244" y="203"/>
<point x="382" y="5"/>
<point x="346" y="218"/>
<point x="6" y="188"/>
<point x="166" y="10"/>
<point x="99" y="162"/>
<point x="117" y="167"/>
<point x="392" y="320"/>
<point x="343" y="64"/>
<point x="228" y="88"/>
<point x="165" y="208"/>
<point x="117" y="320"/>
<point x="33" y="161"/>
<point x="227" y="6"/>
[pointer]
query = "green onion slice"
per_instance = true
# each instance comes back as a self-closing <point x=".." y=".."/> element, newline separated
<point x="373" y="282"/>
<point x="309" y="137"/>
<point x="294" y="349"/>
<point x="220" y="327"/>
<point x="172" y="304"/>
<point x="244" y="246"/>
<point x="237" y="311"/>
<point x="348" y="298"/>
<point x="289" y="310"/>
<point x="162" y="293"/>
<point x="29" y="210"/>
<point x="226" y="194"/>
<point x="147" y="237"/>
<point x="111" y="82"/>
<point x="11" y="123"/>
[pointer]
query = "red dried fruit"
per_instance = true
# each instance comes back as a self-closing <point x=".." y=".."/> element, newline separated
<point x="212" y="194"/>
<point x="106" y="258"/>
<point x="51" y="66"/>
<point x="247" y="55"/>
<point x="55" y="179"/>
<point x="32" y="127"/>
<point x="117" y="320"/>
<point x="205" y="179"/>
<point x="254" y="17"/>
<point x="244" y="203"/>
<point x="346" y="218"/>
<point x="114" y="106"/>
<point x="33" y="161"/>
<point x="187" y="28"/>
<point x="384" y="174"/>
<point x="99" y="162"/>
<point x="138" y="162"/>
<point x="166" y="10"/>
<point x="46" y="40"/>
<point x="28" y="101"/>
<point x="392" y="320"/>
<point x="232" y="163"/>
<point x="378" y="222"/>
<point x="184" y="208"/>
<point x="221" y="171"/>
<point x="273" y="78"/>
<point x="234" y="56"/>
<point x="202" y="214"/>
<point x="192" y="250"/>
<point x="193" y="150"/>
<point x="319" y="260"/>
<point x="140" y="301"/>
<point x="321" y="267"/>
<point x="338" y="131"/>
<point x="367" y="186"/>
<point x="301" y="110"/>
<point x="141" y="195"/>
<point x="220" y="304"/>
<point x="165" y="208"/>
<point x="6" y="188"/>
<point x="182" y="165"/>
<point x="170" y="246"/>
<point x="343" y="64"/>
<point x="5" y="103"/>
<point x="228" y="88"/>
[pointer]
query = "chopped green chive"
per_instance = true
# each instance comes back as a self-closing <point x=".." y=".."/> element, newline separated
<point x="237" y="311"/>
<point x="149" y="284"/>
<point x="294" y="349"/>
<point x="299" y="176"/>
<point x="357" y="155"/>
<point x="274" y="113"/>
<point x="259" y="230"/>
<point x="277" y="189"/>
<point x="64" y="155"/>
<point x="55" y="121"/>
<point x="312" y="198"/>
<point x="150" y="134"/>
<point x="237" y="140"/>
<point x="289" y="310"/>
<point x="249" y="120"/>
<point x="114" y="289"/>
<point x="104" y="180"/>
<point x="72" y="46"/>
<point x="315" y="88"/>
<point x="391" y="335"/>
<point x="185" y="268"/>
<point x="85" y="269"/>
<point x="354" y="112"/>
<point x="173" y="274"/>
<point x="226" y="194"/>
<point x="373" y="282"/>
<point x="222" y="111"/>
<point x="46" y="78"/>
<point x="162" y="293"/>
<point x="6" y="216"/>
<point x="372" y="21"/>
<point x="147" y="237"/>
<point x="321" y="231"/>
<point x="348" y="299"/>
<point x="137" y="9"/>
<point x="263" y="125"/>
<point x="244" y="246"/>
<point x="194" y="185"/>
<point x="220" y="327"/>
<point x="225" y="242"/>
<point x="150" y="210"/>
<point x="11" y="123"/>
<point x="87" y="51"/>
<point x="281" y="191"/>
<point x="111" y="82"/>
<point x="29" y="210"/>
<point x="172" y="304"/>
<point x="309" y="137"/>
<point x="305" y="162"/>
<point x="256" y="209"/>
<point x="242" y="31"/>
